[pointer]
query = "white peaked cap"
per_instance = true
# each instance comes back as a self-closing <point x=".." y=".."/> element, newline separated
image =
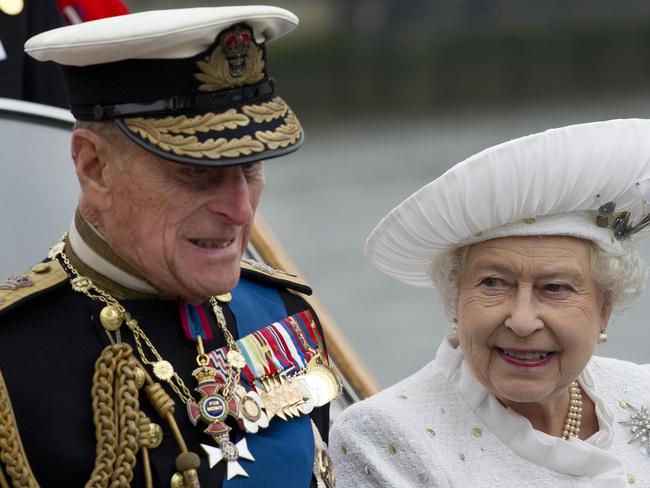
<point x="555" y="182"/>
<point x="189" y="85"/>
<point x="159" y="34"/>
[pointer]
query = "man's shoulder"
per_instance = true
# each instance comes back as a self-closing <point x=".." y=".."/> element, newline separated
<point x="18" y="290"/>
<point x="264" y="274"/>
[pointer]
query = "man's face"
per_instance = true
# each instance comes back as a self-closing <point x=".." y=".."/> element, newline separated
<point x="183" y="227"/>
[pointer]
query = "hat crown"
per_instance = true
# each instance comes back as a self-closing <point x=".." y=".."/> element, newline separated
<point x="190" y="85"/>
<point x="551" y="183"/>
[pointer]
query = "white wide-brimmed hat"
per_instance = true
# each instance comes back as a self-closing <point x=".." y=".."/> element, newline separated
<point x="190" y="85"/>
<point x="590" y="181"/>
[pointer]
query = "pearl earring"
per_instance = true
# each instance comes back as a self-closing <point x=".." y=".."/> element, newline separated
<point x="602" y="337"/>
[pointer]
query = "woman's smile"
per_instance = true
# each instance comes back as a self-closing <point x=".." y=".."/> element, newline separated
<point x="526" y="358"/>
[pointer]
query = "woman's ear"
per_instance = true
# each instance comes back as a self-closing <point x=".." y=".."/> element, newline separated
<point x="91" y="155"/>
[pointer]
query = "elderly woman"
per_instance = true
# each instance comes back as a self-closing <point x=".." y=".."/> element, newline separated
<point x="532" y="245"/>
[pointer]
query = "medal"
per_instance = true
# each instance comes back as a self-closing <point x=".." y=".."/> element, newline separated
<point x="214" y="407"/>
<point x="11" y="7"/>
<point x="282" y="397"/>
<point x="322" y="382"/>
<point x="251" y="413"/>
<point x="231" y="453"/>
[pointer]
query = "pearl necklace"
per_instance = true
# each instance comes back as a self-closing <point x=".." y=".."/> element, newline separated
<point x="574" y="415"/>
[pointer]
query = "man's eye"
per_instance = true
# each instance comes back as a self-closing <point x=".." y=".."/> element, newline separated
<point x="252" y="170"/>
<point x="491" y="282"/>
<point x="192" y="171"/>
<point x="251" y="167"/>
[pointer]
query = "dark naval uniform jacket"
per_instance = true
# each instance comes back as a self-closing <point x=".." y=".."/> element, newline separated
<point x="50" y="338"/>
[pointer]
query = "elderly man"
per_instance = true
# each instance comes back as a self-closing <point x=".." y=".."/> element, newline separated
<point x="199" y="380"/>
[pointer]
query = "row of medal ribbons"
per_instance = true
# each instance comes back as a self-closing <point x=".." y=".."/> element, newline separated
<point x="286" y="364"/>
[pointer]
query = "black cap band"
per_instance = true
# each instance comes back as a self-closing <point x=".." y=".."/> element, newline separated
<point x="186" y="104"/>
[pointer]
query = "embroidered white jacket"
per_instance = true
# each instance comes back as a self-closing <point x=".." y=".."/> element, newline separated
<point x="441" y="428"/>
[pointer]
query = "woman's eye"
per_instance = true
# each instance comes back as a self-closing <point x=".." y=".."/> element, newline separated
<point x="557" y="287"/>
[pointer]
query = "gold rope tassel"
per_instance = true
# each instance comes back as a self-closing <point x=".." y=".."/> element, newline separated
<point x="116" y="417"/>
<point x="12" y="453"/>
<point x="121" y="428"/>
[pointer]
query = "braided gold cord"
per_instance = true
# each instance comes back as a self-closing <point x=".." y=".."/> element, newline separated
<point x="3" y="481"/>
<point x="104" y="415"/>
<point x="12" y="454"/>
<point x="129" y="424"/>
<point x="116" y="417"/>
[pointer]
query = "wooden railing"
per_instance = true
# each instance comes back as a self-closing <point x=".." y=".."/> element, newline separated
<point x="339" y="348"/>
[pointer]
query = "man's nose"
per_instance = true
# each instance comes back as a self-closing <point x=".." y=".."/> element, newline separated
<point x="524" y="316"/>
<point x="232" y="197"/>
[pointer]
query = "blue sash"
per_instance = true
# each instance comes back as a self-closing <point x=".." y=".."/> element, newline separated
<point x="284" y="451"/>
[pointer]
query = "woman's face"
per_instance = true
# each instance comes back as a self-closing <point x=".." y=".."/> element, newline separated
<point x="529" y="314"/>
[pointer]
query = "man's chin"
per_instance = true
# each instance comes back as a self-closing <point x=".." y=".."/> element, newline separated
<point x="207" y="289"/>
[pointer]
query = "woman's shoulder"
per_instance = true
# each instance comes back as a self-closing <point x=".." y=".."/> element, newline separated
<point x="608" y="366"/>
<point x="392" y="400"/>
<point x="615" y="374"/>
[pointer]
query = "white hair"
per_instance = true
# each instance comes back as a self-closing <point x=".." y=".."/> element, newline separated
<point x="622" y="277"/>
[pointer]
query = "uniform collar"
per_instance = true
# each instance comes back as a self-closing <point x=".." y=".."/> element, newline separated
<point x="91" y="255"/>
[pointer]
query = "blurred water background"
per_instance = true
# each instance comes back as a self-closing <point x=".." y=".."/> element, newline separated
<point x="391" y="94"/>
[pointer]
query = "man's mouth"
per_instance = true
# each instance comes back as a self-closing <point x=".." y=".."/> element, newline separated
<point x="212" y="243"/>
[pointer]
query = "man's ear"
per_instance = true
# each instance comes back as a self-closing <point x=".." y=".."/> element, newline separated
<point x="91" y="155"/>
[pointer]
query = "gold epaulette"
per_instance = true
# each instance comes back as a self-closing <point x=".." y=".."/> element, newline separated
<point x="263" y="272"/>
<point x="36" y="279"/>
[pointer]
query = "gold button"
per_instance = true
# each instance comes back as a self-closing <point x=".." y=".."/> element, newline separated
<point x="623" y="404"/>
<point x="431" y="432"/>
<point x="225" y="298"/>
<point x="12" y="7"/>
<point x="155" y="436"/>
<point x="529" y="221"/>
<point x="631" y="479"/>
<point x="344" y="449"/>
<point x="393" y="448"/>
<point x="41" y="268"/>
<point x="111" y="318"/>
<point x="177" y="481"/>
<point x="476" y="432"/>
<point x="139" y="377"/>
<point x="402" y="397"/>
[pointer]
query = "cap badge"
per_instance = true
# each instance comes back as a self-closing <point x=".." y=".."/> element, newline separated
<point x="235" y="61"/>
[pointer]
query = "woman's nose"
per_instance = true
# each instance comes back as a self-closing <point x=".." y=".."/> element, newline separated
<point x="524" y="317"/>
